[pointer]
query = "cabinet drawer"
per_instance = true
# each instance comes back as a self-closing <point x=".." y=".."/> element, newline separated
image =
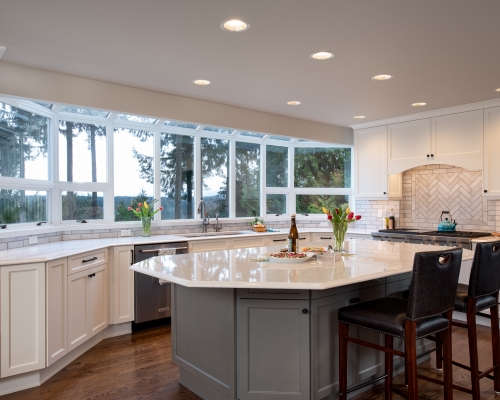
<point x="81" y="262"/>
<point x="249" y="242"/>
<point x="277" y="240"/>
<point x="208" y="245"/>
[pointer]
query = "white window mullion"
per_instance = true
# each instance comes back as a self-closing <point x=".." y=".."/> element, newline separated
<point x="291" y="184"/>
<point x="157" y="171"/>
<point x="109" y="200"/>
<point x="197" y="174"/>
<point x="55" y="202"/>
<point x="263" y="183"/>
<point x="231" y="171"/>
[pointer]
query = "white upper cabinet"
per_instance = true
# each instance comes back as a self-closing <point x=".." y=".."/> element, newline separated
<point x="458" y="136"/>
<point x="491" y="170"/>
<point x="410" y="142"/>
<point x="370" y="149"/>
<point x="455" y="139"/>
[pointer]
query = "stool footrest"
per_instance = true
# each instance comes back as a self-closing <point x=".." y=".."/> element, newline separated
<point x="353" y="389"/>
<point x="375" y="346"/>
<point x="439" y="382"/>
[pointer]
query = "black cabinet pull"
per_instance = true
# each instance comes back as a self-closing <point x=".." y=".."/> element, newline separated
<point x="131" y="257"/>
<point x="305" y="311"/>
<point x="432" y="155"/>
<point x="355" y="300"/>
<point x="302" y="238"/>
<point x="485" y="191"/>
<point x="385" y="193"/>
<point x="321" y="237"/>
<point x="90" y="259"/>
<point x="427" y="155"/>
<point x="91" y="275"/>
<point x="279" y="240"/>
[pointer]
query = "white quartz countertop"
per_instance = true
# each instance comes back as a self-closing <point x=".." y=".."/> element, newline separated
<point x="237" y="268"/>
<point x="53" y="251"/>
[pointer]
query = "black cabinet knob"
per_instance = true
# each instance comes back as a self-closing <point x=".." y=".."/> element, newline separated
<point x="485" y="191"/>
<point x="427" y="155"/>
<point x="432" y="155"/>
<point x="385" y="193"/>
<point x="305" y="311"/>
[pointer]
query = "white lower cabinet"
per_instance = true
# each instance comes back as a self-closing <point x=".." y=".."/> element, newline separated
<point x="87" y="304"/>
<point x="123" y="284"/>
<point x="57" y="313"/>
<point x="22" y="318"/>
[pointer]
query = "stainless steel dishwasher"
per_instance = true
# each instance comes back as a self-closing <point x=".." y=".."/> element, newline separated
<point x="152" y="296"/>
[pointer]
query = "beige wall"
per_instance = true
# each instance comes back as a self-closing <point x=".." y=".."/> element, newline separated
<point x="21" y="81"/>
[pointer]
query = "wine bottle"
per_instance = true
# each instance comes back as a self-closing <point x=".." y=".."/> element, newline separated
<point x="293" y="236"/>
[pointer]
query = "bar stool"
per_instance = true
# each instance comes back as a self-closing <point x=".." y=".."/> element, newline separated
<point x="479" y="295"/>
<point x="428" y="310"/>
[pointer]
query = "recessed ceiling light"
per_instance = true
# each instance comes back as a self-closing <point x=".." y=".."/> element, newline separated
<point x="202" y="82"/>
<point x="235" y="25"/>
<point x="497" y="90"/>
<point x="381" y="77"/>
<point x="293" y="103"/>
<point x="360" y="116"/>
<point x="322" y="55"/>
<point x="418" y="104"/>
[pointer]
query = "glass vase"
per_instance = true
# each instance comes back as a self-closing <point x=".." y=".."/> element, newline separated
<point x="339" y="230"/>
<point x="146" y="226"/>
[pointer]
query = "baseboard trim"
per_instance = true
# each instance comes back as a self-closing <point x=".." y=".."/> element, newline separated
<point x="28" y="380"/>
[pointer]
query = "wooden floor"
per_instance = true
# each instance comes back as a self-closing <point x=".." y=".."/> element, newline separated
<point x="139" y="366"/>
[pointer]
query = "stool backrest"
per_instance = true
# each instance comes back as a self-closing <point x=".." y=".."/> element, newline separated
<point x="485" y="274"/>
<point x="433" y="283"/>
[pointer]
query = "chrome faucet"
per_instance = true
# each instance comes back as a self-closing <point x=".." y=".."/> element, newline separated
<point x="202" y="210"/>
<point x="217" y="227"/>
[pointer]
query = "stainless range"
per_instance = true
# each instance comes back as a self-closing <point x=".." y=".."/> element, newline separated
<point x="437" y="238"/>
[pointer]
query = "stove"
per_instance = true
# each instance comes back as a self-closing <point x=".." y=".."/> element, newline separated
<point x="408" y="235"/>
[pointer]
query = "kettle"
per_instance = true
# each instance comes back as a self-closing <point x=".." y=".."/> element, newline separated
<point x="446" y="225"/>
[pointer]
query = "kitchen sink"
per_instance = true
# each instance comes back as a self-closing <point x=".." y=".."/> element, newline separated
<point x="208" y="234"/>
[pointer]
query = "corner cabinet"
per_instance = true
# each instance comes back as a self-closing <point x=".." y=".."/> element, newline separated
<point x="491" y="170"/>
<point x="22" y="318"/>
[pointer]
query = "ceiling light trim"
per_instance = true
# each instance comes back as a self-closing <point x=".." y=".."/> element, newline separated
<point x="235" y="21"/>
<point x="419" y="104"/>
<point x="382" y="77"/>
<point x="202" y="82"/>
<point x="294" y="103"/>
<point x="322" y="55"/>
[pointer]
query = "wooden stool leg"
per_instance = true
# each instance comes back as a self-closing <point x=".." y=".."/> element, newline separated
<point x="495" y="338"/>
<point x="439" y="351"/>
<point x="389" y="358"/>
<point x="411" y="358"/>
<point x="472" y="335"/>
<point x="447" y="357"/>
<point x="343" y="332"/>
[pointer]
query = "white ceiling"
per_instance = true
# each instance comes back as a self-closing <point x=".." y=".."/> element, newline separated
<point x="444" y="52"/>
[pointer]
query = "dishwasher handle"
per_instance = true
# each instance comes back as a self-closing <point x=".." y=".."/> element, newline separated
<point x="156" y="250"/>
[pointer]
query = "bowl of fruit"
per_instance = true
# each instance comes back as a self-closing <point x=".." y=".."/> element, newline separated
<point x="258" y="224"/>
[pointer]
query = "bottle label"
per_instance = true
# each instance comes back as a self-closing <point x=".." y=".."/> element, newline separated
<point x="290" y="244"/>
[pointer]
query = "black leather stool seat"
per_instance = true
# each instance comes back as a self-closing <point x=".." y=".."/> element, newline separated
<point x="482" y="302"/>
<point x="388" y="315"/>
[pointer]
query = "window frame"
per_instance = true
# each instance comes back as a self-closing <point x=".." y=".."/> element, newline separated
<point x="54" y="187"/>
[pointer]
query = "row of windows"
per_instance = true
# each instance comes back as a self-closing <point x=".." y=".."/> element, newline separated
<point x="65" y="163"/>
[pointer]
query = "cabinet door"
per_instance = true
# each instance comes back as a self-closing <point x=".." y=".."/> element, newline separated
<point x="409" y="142"/>
<point x="98" y="299"/>
<point x="57" y="324"/>
<point x="395" y="184"/>
<point x="325" y="346"/>
<point x="78" y="312"/>
<point x="457" y="136"/>
<point x="123" y="284"/>
<point x="273" y="349"/>
<point x="249" y="242"/>
<point x="22" y="321"/>
<point x="491" y="176"/>
<point x="325" y="238"/>
<point x="370" y="149"/>
<point x="209" y="245"/>
<point x="367" y="363"/>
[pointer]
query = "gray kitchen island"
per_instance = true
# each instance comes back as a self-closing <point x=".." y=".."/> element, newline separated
<point x="249" y="329"/>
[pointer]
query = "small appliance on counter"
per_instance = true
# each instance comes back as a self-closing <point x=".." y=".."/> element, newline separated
<point x="446" y="225"/>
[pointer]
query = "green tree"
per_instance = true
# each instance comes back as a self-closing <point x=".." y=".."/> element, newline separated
<point x="247" y="179"/>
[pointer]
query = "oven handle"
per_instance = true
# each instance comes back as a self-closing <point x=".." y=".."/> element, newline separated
<point x="156" y="250"/>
